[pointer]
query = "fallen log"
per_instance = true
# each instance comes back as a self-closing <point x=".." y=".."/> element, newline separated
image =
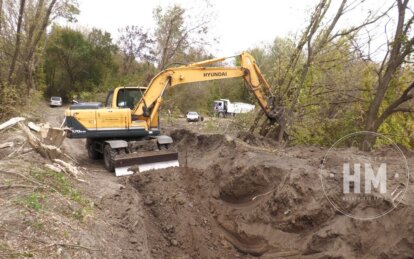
<point x="33" y="126"/>
<point x="17" y="150"/>
<point x="69" y="168"/>
<point x="6" y="145"/>
<point x="11" y="122"/>
<point x="54" y="168"/>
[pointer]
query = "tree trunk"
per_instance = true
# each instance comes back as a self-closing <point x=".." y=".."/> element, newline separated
<point x="373" y="120"/>
<point x="256" y="121"/>
<point x="17" y="43"/>
<point x="34" y="39"/>
<point x="392" y="108"/>
<point x="1" y="14"/>
<point x="28" y="61"/>
<point x="1" y="24"/>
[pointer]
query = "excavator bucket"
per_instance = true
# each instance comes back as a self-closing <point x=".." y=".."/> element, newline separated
<point x="141" y="162"/>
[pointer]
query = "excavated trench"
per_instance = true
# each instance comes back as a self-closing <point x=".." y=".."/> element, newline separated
<point x="231" y="199"/>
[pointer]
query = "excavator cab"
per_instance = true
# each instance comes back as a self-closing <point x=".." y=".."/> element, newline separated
<point x="126" y="97"/>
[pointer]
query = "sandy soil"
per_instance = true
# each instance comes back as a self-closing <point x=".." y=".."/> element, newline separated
<point x="232" y="197"/>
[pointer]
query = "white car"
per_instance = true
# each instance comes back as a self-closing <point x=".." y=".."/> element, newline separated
<point x="193" y="116"/>
<point x="55" y="101"/>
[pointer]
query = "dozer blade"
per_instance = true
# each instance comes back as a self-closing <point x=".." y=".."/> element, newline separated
<point x="141" y="162"/>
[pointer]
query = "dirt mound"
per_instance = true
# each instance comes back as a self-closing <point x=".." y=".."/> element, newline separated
<point x="187" y="140"/>
<point x="256" y="140"/>
<point x="230" y="200"/>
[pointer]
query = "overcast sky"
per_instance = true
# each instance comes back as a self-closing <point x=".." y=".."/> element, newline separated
<point x="238" y="25"/>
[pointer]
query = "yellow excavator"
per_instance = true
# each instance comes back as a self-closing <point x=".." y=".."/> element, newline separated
<point x="126" y="132"/>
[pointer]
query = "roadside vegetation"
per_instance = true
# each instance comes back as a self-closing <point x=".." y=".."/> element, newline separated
<point x="42" y="210"/>
<point x="329" y="79"/>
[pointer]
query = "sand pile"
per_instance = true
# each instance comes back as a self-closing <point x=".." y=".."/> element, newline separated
<point x="231" y="199"/>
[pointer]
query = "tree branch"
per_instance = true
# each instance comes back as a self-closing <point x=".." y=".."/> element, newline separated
<point x="394" y="107"/>
<point x="364" y="24"/>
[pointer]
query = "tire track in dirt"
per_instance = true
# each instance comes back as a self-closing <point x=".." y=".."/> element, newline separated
<point x="119" y="222"/>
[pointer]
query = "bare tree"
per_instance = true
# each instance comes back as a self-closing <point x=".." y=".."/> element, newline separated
<point x="135" y="44"/>
<point x="176" y="32"/>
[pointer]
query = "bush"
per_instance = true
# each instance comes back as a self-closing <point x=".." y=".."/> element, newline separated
<point x="242" y="121"/>
<point x="9" y="100"/>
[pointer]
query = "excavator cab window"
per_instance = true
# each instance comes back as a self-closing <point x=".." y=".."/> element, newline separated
<point x="108" y="102"/>
<point x="127" y="97"/>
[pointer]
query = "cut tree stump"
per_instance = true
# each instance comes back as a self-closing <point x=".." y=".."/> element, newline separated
<point x="47" y="151"/>
<point x="53" y="136"/>
<point x="47" y="143"/>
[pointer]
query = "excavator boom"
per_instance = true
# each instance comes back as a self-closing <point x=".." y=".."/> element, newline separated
<point x="147" y="107"/>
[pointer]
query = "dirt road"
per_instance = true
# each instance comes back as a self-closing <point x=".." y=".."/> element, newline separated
<point x="231" y="198"/>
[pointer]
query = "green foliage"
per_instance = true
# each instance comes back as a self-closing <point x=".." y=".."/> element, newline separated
<point x="9" y="101"/>
<point x="335" y="95"/>
<point x="170" y="33"/>
<point x="75" y="62"/>
<point x="139" y="74"/>
<point x="399" y="126"/>
<point x="62" y="184"/>
<point x="59" y="182"/>
<point x="333" y="98"/>
<point x="69" y="10"/>
<point x="242" y="122"/>
<point x="23" y="36"/>
<point x="32" y="201"/>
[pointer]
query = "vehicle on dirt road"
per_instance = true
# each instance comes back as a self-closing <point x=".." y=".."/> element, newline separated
<point x="55" y="101"/>
<point x="193" y="116"/>
<point x="127" y="131"/>
<point x="224" y="108"/>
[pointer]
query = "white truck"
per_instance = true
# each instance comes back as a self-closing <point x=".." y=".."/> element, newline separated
<point x="224" y="107"/>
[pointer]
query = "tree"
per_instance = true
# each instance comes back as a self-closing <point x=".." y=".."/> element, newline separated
<point x="319" y="37"/>
<point x="398" y="52"/>
<point x="135" y="44"/>
<point x="23" y="27"/>
<point x="38" y="19"/>
<point x="175" y="33"/>
<point x="75" y="62"/>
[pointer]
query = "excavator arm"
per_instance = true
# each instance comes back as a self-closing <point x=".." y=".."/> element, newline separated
<point x="147" y="108"/>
